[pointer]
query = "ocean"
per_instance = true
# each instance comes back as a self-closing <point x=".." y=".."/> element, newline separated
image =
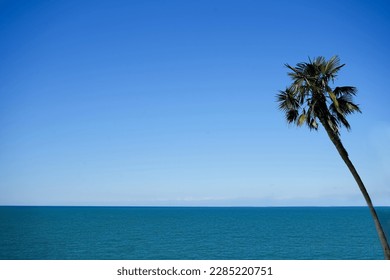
<point x="190" y="233"/>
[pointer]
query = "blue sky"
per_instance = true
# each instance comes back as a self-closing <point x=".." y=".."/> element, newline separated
<point x="173" y="102"/>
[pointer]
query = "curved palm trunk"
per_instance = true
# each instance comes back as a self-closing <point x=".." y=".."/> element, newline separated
<point x="344" y="155"/>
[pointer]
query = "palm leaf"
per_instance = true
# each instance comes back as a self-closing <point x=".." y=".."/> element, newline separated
<point x="332" y="96"/>
<point x="302" y="118"/>
<point x="287" y="101"/>
<point x="291" y="115"/>
<point x="348" y="90"/>
<point x="313" y="124"/>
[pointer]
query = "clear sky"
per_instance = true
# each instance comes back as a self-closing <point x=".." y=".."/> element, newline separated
<point x="173" y="102"/>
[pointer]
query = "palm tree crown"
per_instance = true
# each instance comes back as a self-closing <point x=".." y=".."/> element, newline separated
<point x="310" y="98"/>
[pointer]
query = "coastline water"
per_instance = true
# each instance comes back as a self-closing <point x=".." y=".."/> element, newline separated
<point x="203" y="233"/>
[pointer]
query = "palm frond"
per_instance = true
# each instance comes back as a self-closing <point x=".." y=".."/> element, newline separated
<point x="333" y="122"/>
<point x="347" y="90"/>
<point x="334" y="99"/>
<point x="341" y="118"/>
<point x="346" y="105"/>
<point x="333" y="66"/>
<point x="302" y="119"/>
<point x="291" y="115"/>
<point x="311" y="119"/>
<point x="313" y="124"/>
<point x="353" y="108"/>
<point x="287" y="101"/>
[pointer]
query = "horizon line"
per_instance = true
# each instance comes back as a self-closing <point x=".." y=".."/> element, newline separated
<point x="191" y="206"/>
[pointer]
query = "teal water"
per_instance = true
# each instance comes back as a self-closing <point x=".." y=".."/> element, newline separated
<point x="95" y="233"/>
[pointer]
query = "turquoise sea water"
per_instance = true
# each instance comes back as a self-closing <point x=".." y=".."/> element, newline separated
<point x="189" y="233"/>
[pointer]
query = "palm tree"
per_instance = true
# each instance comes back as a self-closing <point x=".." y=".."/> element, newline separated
<point x="310" y="100"/>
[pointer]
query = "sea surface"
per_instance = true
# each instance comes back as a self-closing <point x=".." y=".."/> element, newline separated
<point x="204" y="233"/>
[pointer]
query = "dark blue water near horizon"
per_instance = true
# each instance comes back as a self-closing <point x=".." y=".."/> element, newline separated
<point x="202" y="233"/>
